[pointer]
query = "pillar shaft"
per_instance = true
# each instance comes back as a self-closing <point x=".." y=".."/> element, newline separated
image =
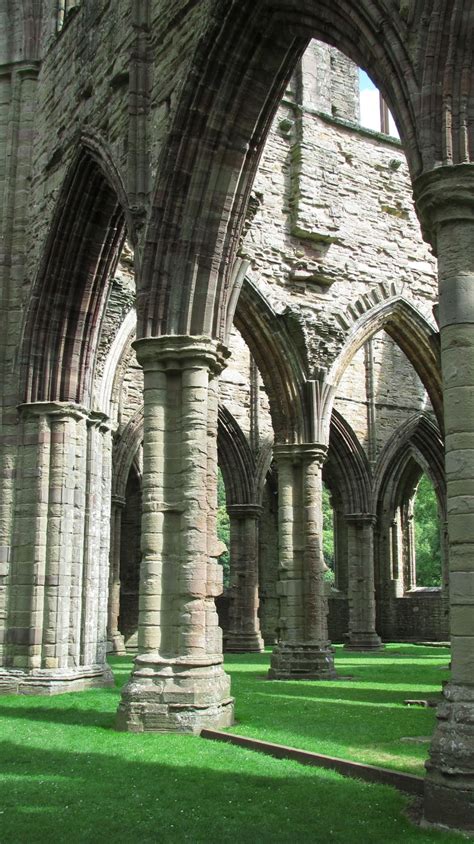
<point x="362" y="633"/>
<point x="303" y="649"/>
<point x="244" y="634"/>
<point x="58" y="596"/>
<point x="178" y="682"/>
<point x="115" y="640"/>
<point x="446" y="204"/>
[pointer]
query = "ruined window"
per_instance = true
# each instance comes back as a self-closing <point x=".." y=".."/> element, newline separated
<point x="427" y="539"/>
<point x="374" y="112"/>
<point x="64" y="9"/>
<point x="328" y="536"/>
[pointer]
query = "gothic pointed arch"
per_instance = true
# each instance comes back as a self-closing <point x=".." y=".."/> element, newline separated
<point x="63" y="322"/>
<point x="406" y="325"/>
<point x="279" y="356"/>
<point x="348" y="466"/>
<point x="415" y="447"/>
<point x="237" y="77"/>
<point x="236" y="460"/>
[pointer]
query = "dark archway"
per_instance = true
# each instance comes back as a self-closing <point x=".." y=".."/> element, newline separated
<point x="66" y="308"/>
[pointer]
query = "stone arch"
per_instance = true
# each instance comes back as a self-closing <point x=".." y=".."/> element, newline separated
<point x="280" y="362"/>
<point x="67" y="304"/>
<point x="420" y="439"/>
<point x="125" y="454"/>
<point x="415" y="448"/>
<point x="236" y="79"/>
<point x="386" y="307"/>
<point x="348" y="464"/>
<point x="236" y="460"/>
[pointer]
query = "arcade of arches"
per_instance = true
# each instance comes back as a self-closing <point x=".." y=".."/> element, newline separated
<point x="206" y="262"/>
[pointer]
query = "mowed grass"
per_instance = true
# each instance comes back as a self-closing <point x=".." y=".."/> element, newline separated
<point x="66" y="775"/>
<point x="363" y="718"/>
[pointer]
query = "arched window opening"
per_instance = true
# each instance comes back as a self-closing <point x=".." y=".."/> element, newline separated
<point x="223" y="528"/>
<point x="328" y="537"/>
<point x="428" y="569"/>
<point x="130" y="561"/>
<point x="374" y="112"/>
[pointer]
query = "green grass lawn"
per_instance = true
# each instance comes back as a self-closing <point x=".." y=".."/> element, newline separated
<point x="66" y="775"/>
<point x="363" y="718"/>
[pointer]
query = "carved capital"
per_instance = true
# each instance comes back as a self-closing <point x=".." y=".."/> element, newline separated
<point x="445" y="194"/>
<point x="173" y="353"/>
<point x="301" y="453"/>
<point x="244" y="511"/>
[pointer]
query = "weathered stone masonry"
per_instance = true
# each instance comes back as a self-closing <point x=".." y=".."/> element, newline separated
<point x="148" y="119"/>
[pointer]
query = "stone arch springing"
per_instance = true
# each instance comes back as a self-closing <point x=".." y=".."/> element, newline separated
<point x="236" y="460"/>
<point x="279" y="361"/>
<point x="82" y="250"/>
<point x="384" y="307"/>
<point x="347" y="463"/>
<point x="237" y="77"/>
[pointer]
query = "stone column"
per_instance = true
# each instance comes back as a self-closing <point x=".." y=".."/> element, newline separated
<point x="303" y="650"/>
<point x="244" y="634"/>
<point x="178" y="682"/>
<point x="53" y="586"/>
<point x="362" y="634"/>
<point x="409" y="552"/>
<point x="445" y="201"/>
<point x="115" y="640"/>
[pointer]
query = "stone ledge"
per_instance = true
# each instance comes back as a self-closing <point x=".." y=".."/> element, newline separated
<point x="408" y="783"/>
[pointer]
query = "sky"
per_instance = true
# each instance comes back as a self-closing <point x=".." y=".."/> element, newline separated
<point x="369" y="105"/>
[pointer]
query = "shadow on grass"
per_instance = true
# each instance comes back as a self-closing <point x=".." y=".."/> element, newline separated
<point x="192" y="792"/>
<point x="58" y="715"/>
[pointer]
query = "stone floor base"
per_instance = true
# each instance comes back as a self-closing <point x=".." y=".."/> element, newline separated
<point x="448" y="804"/>
<point x="116" y="645"/>
<point x="302" y="661"/>
<point x="175" y="696"/>
<point x="364" y="642"/>
<point x="243" y="643"/>
<point x="48" y="681"/>
<point x="449" y="784"/>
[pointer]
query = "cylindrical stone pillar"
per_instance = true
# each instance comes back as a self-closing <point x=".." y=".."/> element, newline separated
<point x="178" y="682"/>
<point x="54" y="584"/>
<point x="115" y="640"/>
<point x="244" y="635"/>
<point x="445" y="200"/>
<point x="303" y="649"/>
<point x="362" y="635"/>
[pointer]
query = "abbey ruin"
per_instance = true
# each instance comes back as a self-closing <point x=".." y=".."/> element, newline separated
<point x="207" y="263"/>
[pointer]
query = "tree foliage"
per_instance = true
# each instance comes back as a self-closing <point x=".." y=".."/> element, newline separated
<point x="223" y="528"/>
<point x="328" y="535"/>
<point x="427" y="537"/>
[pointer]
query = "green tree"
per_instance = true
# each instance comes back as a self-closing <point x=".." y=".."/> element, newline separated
<point x="328" y="535"/>
<point x="223" y="527"/>
<point x="427" y="538"/>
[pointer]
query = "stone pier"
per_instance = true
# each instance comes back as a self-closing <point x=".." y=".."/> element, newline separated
<point x="362" y="633"/>
<point x="59" y="567"/>
<point x="445" y="200"/>
<point x="244" y="634"/>
<point x="303" y="650"/>
<point x="178" y="681"/>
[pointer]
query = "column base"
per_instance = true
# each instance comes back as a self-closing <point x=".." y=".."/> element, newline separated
<point x="364" y="642"/>
<point x="175" y="696"/>
<point x="116" y="645"/>
<point x="243" y="643"/>
<point x="54" y="681"/>
<point x="302" y="661"/>
<point x="449" y="784"/>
